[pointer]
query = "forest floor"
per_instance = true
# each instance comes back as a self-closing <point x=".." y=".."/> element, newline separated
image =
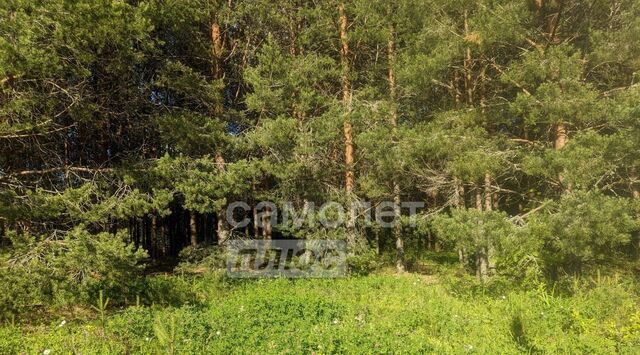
<point x="381" y="313"/>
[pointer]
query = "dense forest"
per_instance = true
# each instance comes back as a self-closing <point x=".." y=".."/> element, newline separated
<point x="128" y="127"/>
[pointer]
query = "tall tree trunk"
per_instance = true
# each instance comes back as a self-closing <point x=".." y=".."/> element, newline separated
<point x="397" y="230"/>
<point x="347" y="128"/>
<point x="468" y="85"/>
<point x="222" y="229"/>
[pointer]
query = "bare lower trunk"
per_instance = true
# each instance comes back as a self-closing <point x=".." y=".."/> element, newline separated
<point x="397" y="231"/>
<point x="462" y="256"/>
<point x="482" y="264"/>
<point x="3" y="232"/>
<point x="478" y="195"/>
<point x="222" y="229"/>
<point x="459" y="203"/>
<point x="193" y="229"/>
<point x="154" y="237"/>
<point x="348" y="157"/>
<point x="266" y="223"/>
<point x="487" y="192"/>
<point x="561" y="136"/>
<point x="256" y="222"/>
<point x="458" y="195"/>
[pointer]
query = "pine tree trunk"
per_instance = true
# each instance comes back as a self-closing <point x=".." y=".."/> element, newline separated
<point x="459" y="203"/>
<point x="561" y="136"/>
<point x="487" y="192"/>
<point x="3" y="232"/>
<point x="468" y="85"/>
<point x="193" y="229"/>
<point x="266" y="223"/>
<point x="560" y="141"/>
<point x="482" y="264"/>
<point x="346" y="100"/>
<point x="154" y="237"/>
<point x="256" y="222"/>
<point x="216" y="50"/>
<point x="458" y="197"/>
<point x="347" y="128"/>
<point x="397" y="230"/>
<point x="222" y="229"/>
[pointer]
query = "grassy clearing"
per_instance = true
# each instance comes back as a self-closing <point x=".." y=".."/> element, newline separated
<point x="376" y="313"/>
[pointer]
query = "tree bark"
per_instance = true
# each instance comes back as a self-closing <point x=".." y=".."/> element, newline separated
<point x="482" y="264"/>
<point x="467" y="64"/>
<point x="266" y="223"/>
<point x="560" y="141"/>
<point x="154" y="237"/>
<point x="487" y="192"/>
<point x="193" y="229"/>
<point x="222" y="229"/>
<point x="561" y="136"/>
<point x="459" y="203"/>
<point x="346" y="100"/>
<point x="216" y="49"/>
<point x="397" y="230"/>
<point x="347" y="128"/>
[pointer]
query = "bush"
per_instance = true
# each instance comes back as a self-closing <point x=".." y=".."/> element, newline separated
<point x="70" y="270"/>
<point x="584" y="231"/>
<point x="211" y="258"/>
<point x="363" y="263"/>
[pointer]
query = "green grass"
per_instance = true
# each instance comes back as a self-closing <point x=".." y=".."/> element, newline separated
<point x="372" y="314"/>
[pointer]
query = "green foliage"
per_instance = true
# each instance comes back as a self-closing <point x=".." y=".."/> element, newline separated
<point x="363" y="263"/>
<point x="210" y="258"/>
<point x="473" y="229"/>
<point x="151" y="115"/>
<point x="355" y="315"/>
<point x="584" y="230"/>
<point x="71" y="270"/>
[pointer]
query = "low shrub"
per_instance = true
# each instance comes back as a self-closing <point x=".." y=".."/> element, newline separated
<point x="71" y="270"/>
